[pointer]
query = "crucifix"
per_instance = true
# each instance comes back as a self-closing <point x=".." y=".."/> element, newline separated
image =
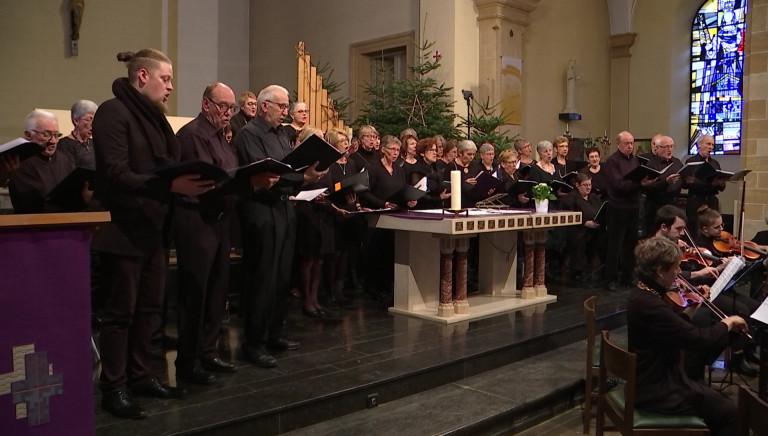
<point x="78" y="7"/>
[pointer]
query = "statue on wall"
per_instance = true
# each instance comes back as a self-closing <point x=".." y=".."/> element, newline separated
<point x="570" y="88"/>
<point x="78" y="7"/>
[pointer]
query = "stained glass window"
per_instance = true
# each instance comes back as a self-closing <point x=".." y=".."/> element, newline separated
<point x="717" y="63"/>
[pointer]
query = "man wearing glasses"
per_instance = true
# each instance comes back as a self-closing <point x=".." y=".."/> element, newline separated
<point x="268" y="222"/>
<point x="247" y="103"/>
<point x="666" y="188"/>
<point x="202" y="234"/>
<point x="38" y="175"/>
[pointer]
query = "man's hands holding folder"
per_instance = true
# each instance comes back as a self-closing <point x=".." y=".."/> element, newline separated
<point x="263" y="180"/>
<point x="312" y="175"/>
<point x="191" y="184"/>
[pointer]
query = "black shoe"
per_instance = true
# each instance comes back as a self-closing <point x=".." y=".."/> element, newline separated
<point x="154" y="388"/>
<point x="739" y="365"/>
<point x="311" y="313"/>
<point x="283" y="344"/>
<point x="122" y="405"/>
<point x="196" y="375"/>
<point x="260" y="358"/>
<point x="218" y="365"/>
<point x="613" y="286"/>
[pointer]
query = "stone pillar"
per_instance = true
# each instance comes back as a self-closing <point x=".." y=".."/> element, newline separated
<point x="460" y="303"/>
<point x="620" y="45"/>
<point x="754" y="136"/>
<point x="540" y="263"/>
<point x="445" y="309"/>
<point x="501" y="24"/>
<point x="528" y="262"/>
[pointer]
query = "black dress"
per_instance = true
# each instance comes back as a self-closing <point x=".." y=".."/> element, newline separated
<point x="657" y="334"/>
<point x="383" y="185"/>
<point x="315" y="224"/>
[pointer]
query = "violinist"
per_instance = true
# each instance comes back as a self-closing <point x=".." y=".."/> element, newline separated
<point x="730" y="301"/>
<point x="670" y="223"/>
<point x="657" y="332"/>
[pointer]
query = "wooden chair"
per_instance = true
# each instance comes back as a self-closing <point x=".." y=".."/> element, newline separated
<point x="619" y="404"/>
<point x="593" y="358"/>
<point x="752" y="413"/>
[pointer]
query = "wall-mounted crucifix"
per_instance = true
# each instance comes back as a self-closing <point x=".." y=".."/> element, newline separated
<point x="77" y="9"/>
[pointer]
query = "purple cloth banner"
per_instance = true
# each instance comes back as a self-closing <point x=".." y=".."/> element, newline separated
<point x="45" y="328"/>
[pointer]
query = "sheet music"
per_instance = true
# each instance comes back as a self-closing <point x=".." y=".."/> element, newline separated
<point x="421" y="184"/>
<point x="308" y="195"/>
<point x="730" y="270"/>
<point x="761" y="314"/>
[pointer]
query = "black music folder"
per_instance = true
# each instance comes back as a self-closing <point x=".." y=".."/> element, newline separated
<point x="311" y="150"/>
<point x="408" y="193"/>
<point x="67" y="194"/>
<point x="601" y="213"/>
<point x="485" y="187"/>
<point x="523" y="187"/>
<point x="266" y="165"/>
<point x="353" y="184"/>
<point x="642" y="171"/>
<point x="559" y="185"/>
<point x="205" y="169"/>
<point x="21" y="147"/>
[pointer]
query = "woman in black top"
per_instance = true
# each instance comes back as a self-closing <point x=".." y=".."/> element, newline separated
<point x="562" y="166"/>
<point x="426" y="156"/>
<point x="346" y="227"/>
<point x="450" y="151"/>
<point x="507" y="173"/>
<point x="314" y="238"/>
<point x="657" y="333"/>
<point x="599" y="183"/>
<point x="585" y="241"/>
<point x="467" y="150"/>
<point x="385" y="178"/>
<point x="487" y="152"/>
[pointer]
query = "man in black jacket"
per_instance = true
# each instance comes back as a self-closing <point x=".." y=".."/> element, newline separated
<point x="132" y="137"/>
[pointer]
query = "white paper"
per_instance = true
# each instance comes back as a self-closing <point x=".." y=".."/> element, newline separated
<point x="421" y="184"/>
<point x="308" y="195"/>
<point x="761" y="314"/>
<point x="730" y="270"/>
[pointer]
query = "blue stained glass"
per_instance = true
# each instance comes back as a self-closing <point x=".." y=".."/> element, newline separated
<point x="717" y="66"/>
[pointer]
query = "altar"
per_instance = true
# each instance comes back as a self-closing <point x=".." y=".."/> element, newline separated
<point x="46" y="371"/>
<point x="425" y="243"/>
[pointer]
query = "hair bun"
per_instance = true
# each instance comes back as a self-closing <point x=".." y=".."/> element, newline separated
<point x="125" y="56"/>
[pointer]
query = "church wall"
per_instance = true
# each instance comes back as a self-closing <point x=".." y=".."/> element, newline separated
<point x="35" y="47"/>
<point x="559" y="31"/>
<point x="328" y="28"/>
<point x="212" y="46"/>
<point x="660" y="78"/>
<point x="452" y="26"/>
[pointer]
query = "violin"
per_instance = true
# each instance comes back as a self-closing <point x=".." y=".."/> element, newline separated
<point x="703" y="256"/>
<point x="682" y="297"/>
<point x="726" y="243"/>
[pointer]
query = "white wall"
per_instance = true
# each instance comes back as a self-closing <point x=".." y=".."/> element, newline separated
<point x="212" y="46"/>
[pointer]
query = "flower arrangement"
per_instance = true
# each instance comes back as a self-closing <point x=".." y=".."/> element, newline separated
<point x="542" y="191"/>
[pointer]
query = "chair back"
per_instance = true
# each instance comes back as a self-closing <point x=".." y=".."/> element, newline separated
<point x="619" y="363"/>
<point x="589" y="326"/>
<point x="753" y="413"/>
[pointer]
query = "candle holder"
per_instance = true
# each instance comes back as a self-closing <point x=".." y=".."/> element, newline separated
<point x="455" y="212"/>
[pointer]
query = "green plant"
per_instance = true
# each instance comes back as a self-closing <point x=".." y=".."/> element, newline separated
<point x="542" y="191"/>
<point x="486" y="125"/>
<point x="417" y="101"/>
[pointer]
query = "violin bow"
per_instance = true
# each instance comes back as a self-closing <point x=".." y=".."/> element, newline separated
<point x="696" y="247"/>
<point x="716" y="310"/>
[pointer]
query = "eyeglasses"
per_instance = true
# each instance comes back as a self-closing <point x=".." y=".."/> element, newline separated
<point x="47" y="134"/>
<point x="223" y="106"/>
<point x="250" y="103"/>
<point x="282" y="106"/>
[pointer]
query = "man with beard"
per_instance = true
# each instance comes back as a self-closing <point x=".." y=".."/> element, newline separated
<point x="132" y="137"/>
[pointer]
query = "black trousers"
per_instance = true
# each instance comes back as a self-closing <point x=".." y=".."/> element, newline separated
<point x="134" y="288"/>
<point x="269" y="234"/>
<point x="621" y="240"/>
<point x="202" y="251"/>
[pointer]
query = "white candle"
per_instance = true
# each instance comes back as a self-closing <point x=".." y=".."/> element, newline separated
<point x="455" y="190"/>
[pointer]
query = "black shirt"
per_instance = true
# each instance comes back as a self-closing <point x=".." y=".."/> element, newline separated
<point x="81" y="152"/>
<point x="622" y="193"/>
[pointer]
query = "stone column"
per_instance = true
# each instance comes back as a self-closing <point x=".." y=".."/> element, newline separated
<point x="620" y="45"/>
<point x="540" y="262"/>
<point x="446" y="309"/>
<point x="528" y="261"/>
<point x="460" y="303"/>
<point x="501" y="24"/>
